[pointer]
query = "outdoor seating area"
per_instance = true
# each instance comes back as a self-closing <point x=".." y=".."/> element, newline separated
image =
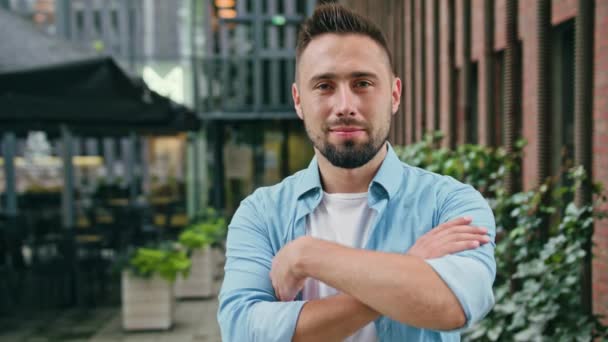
<point x="51" y="265"/>
<point x="72" y="216"/>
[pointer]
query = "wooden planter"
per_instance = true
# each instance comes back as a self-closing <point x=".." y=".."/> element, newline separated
<point x="147" y="304"/>
<point x="200" y="282"/>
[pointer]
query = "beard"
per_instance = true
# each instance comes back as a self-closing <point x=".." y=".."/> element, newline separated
<point x="349" y="154"/>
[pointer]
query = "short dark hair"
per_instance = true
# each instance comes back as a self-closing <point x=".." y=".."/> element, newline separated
<point x="335" y="18"/>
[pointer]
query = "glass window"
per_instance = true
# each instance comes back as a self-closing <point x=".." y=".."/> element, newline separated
<point x="562" y="135"/>
<point x="97" y="24"/>
<point x="472" y="120"/>
<point x="254" y="154"/>
<point x="79" y="18"/>
<point x="499" y="98"/>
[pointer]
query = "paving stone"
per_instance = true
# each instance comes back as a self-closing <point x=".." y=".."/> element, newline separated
<point x="195" y="321"/>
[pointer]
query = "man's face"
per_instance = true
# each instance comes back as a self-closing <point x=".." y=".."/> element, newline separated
<point x="346" y="94"/>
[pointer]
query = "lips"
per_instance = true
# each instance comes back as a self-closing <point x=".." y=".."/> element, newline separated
<point x="347" y="131"/>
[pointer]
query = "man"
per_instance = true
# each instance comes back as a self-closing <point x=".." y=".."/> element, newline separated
<point x="346" y="248"/>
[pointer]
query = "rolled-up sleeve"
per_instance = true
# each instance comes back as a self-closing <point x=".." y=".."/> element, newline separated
<point x="248" y="308"/>
<point x="469" y="274"/>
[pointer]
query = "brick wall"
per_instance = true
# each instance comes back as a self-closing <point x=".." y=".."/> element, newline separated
<point x="600" y="154"/>
<point x="445" y="88"/>
<point x="562" y="10"/>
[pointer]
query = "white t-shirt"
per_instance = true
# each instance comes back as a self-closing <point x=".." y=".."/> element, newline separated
<point x="345" y="219"/>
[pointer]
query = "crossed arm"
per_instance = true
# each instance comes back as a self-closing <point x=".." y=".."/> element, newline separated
<point x="369" y="290"/>
<point x="249" y="310"/>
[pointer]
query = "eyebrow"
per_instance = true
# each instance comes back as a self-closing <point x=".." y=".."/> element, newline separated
<point x="331" y="75"/>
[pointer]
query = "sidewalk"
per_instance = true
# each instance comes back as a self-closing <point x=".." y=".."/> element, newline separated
<point x="195" y="321"/>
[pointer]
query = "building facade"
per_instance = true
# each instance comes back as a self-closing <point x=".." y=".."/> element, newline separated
<point x="231" y="60"/>
<point x="492" y="71"/>
<point x="150" y="39"/>
<point x="245" y="70"/>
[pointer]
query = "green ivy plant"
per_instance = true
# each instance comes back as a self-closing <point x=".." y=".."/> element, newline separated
<point x="540" y="247"/>
<point x="194" y="239"/>
<point x="166" y="260"/>
<point x="209" y="228"/>
<point x="538" y="287"/>
<point x="480" y="166"/>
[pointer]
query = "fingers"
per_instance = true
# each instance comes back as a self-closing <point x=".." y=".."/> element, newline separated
<point x="460" y="221"/>
<point x="481" y="238"/>
<point x="472" y="238"/>
<point x="451" y="237"/>
<point x="285" y="291"/>
<point x="461" y="230"/>
<point x="285" y="295"/>
<point x="459" y="246"/>
<point x="279" y="293"/>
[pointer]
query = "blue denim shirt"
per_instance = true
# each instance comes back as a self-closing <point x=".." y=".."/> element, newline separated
<point x="409" y="202"/>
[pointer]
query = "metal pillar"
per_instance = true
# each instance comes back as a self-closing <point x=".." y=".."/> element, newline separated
<point x="218" y="172"/>
<point x="201" y="170"/>
<point x="8" y="152"/>
<point x="131" y="162"/>
<point x="67" y="198"/>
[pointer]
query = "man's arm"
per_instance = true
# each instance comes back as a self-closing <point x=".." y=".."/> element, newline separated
<point x="442" y="293"/>
<point x="248" y="309"/>
<point x="335" y="318"/>
<point x="332" y="319"/>
<point x="402" y="287"/>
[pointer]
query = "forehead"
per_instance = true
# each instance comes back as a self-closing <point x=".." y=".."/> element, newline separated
<point x="342" y="54"/>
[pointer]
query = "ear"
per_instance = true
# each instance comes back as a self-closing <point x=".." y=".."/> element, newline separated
<point x="296" y="100"/>
<point x="396" y="94"/>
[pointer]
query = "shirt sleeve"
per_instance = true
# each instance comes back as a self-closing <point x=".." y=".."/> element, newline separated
<point x="248" y="308"/>
<point x="469" y="274"/>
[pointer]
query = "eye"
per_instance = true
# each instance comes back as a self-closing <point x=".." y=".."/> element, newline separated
<point x="363" y="84"/>
<point x="323" y="86"/>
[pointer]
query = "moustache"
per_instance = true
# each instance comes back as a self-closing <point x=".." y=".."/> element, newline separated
<point x="345" y="122"/>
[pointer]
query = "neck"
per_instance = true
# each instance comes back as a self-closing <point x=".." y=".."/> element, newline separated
<point x="340" y="180"/>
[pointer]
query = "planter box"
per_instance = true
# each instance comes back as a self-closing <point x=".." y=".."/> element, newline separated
<point x="200" y="282"/>
<point x="147" y="304"/>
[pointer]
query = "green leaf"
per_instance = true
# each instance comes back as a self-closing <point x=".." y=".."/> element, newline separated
<point x="494" y="333"/>
<point x="539" y="242"/>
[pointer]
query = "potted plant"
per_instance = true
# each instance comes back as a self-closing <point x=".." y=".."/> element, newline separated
<point x="147" y="286"/>
<point x="198" y="238"/>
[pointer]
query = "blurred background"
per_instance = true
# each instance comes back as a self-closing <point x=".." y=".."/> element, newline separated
<point x="126" y="123"/>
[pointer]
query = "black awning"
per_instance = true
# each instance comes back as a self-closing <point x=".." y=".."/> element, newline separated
<point x="87" y="93"/>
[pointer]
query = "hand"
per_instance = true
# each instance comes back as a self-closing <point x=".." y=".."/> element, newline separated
<point x="450" y="237"/>
<point x="286" y="278"/>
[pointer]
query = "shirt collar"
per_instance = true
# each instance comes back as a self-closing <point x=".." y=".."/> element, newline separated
<point x="311" y="179"/>
<point x="388" y="176"/>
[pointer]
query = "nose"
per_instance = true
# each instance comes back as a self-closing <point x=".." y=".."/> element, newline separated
<point x="345" y="102"/>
